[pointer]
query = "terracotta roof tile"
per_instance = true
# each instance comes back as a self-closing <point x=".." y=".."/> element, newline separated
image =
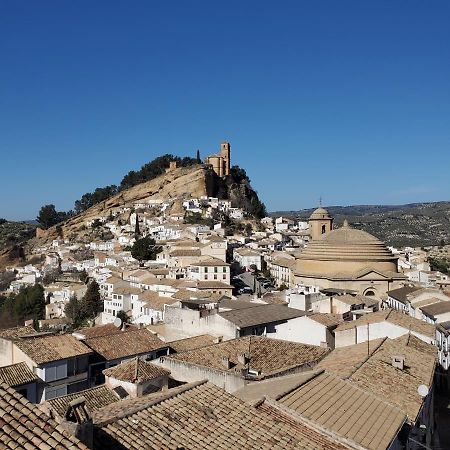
<point x="201" y="415"/>
<point x="96" y="397"/>
<point x="23" y="425"/>
<point x="128" y="343"/>
<point x="265" y="355"/>
<point x="343" y="408"/>
<point x="17" y="374"/>
<point x="136" y="371"/>
<point x="52" y="348"/>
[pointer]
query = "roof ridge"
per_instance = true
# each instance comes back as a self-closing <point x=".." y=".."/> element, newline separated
<point x="358" y="366"/>
<point x="154" y="400"/>
<point x="297" y="385"/>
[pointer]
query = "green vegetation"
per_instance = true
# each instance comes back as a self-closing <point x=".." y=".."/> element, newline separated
<point x="28" y="304"/>
<point x="196" y="218"/>
<point x="48" y="216"/>
<point x="440" y="264"/>
<point x="147" y="172"/>
<point x="123" y="316"/>
<point x="145" y="249"/>
<point x="15" y="233"/>
<point x="79" y="311"/>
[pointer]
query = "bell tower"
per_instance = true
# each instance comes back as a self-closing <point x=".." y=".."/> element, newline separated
<point x="320" y="223"/>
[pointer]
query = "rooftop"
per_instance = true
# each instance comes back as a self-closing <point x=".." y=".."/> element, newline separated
<point x="96" y="397"/>
<point x="199" y="415"/>
<point x="136" y="371"/>
<point x="192" y="343"/>
<point x="23" y="425"/>
<point x="125" y="344"/>
<point x="46" y="349"/>
<point x="17" y="374"/>
<point x="264" y="355"/>
<point x="394" y="317"/>
<point x="260" y="315"/>
<point x="342" y="408"/>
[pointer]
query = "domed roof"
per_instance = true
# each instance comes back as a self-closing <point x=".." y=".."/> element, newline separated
<point x="346" y="243"/>
<point x="320" y="213"/>
<point x="346" y="235"/>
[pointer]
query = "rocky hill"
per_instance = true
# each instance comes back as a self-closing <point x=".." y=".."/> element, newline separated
<point x="415" y="224"/>
<point x="174" y="186"/>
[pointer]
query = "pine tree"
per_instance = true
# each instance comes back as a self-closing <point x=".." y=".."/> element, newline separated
<point x="137" y="231"/>
<point x="92" y="303"/>
<point x="198" y="157"/>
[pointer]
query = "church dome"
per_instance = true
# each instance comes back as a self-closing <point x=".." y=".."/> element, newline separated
<point x="320" y="213"/>
<point x="345" y="250"/>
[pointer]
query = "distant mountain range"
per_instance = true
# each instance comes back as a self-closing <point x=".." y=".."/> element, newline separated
<point x="414" y="224"/>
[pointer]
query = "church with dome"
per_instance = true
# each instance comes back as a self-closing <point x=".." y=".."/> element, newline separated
<point x="346" y="258"/>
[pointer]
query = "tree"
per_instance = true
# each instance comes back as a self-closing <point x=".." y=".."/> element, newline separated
<point x="48" y="216"/>
<point x="137" y="231"/>
<point x="123" y="316"/>
<point x="199" y="161"/>
<point x="144" y="249"/>
<point x="92" y="303"/>
<point x="74" y="311"/>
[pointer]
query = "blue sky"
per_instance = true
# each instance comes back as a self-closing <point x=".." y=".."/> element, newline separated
<point x="347" y="100"/>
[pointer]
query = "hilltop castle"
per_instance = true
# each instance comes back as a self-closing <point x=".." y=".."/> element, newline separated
<point x="220" y="162"/>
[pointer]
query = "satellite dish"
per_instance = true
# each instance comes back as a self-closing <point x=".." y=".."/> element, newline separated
<point x="117" y="322"/>
<point x="423" y="390"/>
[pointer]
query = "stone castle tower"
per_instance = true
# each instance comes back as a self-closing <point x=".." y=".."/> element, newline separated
<point x="220" y="162"/>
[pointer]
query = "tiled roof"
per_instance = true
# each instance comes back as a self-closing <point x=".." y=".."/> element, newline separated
<point x="327" y="319"/>
<point x="396" y="386"/>
<point x="96" y="397"/>
<point x="343" y="361"/>
<point x="265" y="355"/>
<point x="52" y="348"/>
<point x="342" y="408"/>
<point x="435" y="309"/>
<point x="313" y="438"/>
<point x="136" y="371"/>
<point x="213" y="285"/>
<point x="16" y="332"/>
<point x="17" y="374"/>
<point x="192" y="343"/>
<point x="394" y="317"/>
<point x="210" y="262"/>
<point x="184" y="252"/>
<point x="25" y="426"/>
<point x="401" y="294"/>
<point x="199" y="415"/>
<point x="260" y="315"/>
<point x="129" y="343"/>
<point x="102" y="330"/>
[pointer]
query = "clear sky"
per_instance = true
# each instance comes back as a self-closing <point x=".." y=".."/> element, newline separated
<point x="348" y="100"/>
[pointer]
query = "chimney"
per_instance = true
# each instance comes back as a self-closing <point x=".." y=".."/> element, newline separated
<point x="218" y="340"/>
<point x="226" y="362"/>
<point x="243" y="359"/>
<point x="398" y="362"/>
<point x="78" y="421"/>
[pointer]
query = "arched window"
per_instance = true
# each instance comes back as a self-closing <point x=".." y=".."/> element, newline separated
<point x="369" y="293"/>
<point x="324" y="229"/>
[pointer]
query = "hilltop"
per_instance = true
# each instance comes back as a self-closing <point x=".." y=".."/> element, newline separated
<point x="414" y="224"/>
<point x="172" y="187"/>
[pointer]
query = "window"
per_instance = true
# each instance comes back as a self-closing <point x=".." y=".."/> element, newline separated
<point x="55" y="371"/>
<point x="52" y="392"/>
